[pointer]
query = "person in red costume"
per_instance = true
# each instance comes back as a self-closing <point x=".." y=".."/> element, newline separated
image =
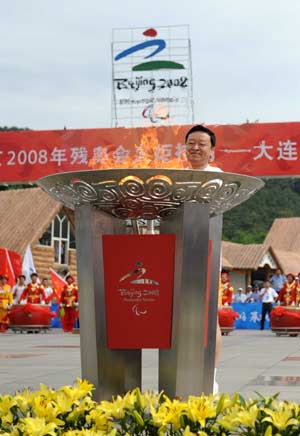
<point x="34" y="291"/>
<point x="297" y="290"/>
<point x="287" y="294"/>
<point x="69" y="304"/>
<point x="226" y="289"/>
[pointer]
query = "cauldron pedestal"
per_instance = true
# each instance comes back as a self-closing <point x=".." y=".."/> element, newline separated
<point x="188" y="205"/>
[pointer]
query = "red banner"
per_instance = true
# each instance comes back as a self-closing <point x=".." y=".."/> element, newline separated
<point x="138" y="276"/>
<point x="271" y="149"/>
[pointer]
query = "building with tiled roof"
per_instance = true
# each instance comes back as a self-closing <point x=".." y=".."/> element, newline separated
<point x="280" y="249"/>
<point x="30" y="216"/>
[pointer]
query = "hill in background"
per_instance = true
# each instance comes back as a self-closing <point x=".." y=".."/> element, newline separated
<point x="250" y="222"/>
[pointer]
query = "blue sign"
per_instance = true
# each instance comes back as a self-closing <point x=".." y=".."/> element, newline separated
<point x="55" y="322"/>
<point x="250" y="316"/>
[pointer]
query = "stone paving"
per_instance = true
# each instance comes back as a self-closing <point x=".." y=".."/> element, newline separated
<point x="251" y="361"/>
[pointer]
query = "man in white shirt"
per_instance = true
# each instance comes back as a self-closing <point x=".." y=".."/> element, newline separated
<point x="18" y="289"/>
<point x="200" y="142"/>
<point x="47" y="290"/>
<point x="268" y="297"/>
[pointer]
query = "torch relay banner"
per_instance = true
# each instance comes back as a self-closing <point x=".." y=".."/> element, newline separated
<point x="271" y="149"/>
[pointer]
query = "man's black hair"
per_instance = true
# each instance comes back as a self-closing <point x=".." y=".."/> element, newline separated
<point x="34" y="274"/>
<point x="22" y="276"/>
<point x="203" y="129"/>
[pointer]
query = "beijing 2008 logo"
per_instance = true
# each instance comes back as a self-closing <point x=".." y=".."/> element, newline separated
<point x="138" y="290"/>
<point x="158" y="46"/>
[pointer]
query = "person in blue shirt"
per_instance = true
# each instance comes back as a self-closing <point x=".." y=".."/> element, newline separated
<point x="278" y="280"/>
<point x="254" y="297"/>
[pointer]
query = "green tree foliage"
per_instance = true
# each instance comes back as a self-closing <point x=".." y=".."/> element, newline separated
<point x="8" y="129"/>
<point x="250" y="222"/>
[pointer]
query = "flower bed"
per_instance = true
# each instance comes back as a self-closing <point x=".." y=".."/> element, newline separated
<point x="70" y="411"/>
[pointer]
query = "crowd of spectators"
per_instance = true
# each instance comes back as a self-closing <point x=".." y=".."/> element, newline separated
<point x="278" y="281"/>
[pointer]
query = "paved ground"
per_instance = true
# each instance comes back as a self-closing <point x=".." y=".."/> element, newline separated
<point x="251" y="361"/>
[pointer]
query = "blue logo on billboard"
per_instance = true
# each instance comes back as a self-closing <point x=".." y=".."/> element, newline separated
<point x="158" y="46"/>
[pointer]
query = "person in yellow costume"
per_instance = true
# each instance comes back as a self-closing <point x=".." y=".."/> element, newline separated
<point x="226" y="290"/>
<point x="6" y="301"/>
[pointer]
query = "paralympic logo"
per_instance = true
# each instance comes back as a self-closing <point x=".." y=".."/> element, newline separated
<point x="156" y="113"/>
<point x="142" y="289"/>
<point x="158" y="46"/>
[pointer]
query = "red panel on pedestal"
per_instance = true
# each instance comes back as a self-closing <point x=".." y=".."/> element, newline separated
<point x="139" y="279"/>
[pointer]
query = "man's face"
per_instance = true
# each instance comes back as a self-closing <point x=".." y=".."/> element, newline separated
<point x="34" y="279"/>
<point x="45" y="283"/>
<point x="278" y="272"/>
<point x="21" y="281"/>
<point x="198" y="148"/>
<point x="290" y="278"/>
<point x="267" y="284"/>
<point x="224" y="278"/>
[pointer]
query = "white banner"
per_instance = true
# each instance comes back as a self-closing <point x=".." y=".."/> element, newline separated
<point x="28" y="264"/>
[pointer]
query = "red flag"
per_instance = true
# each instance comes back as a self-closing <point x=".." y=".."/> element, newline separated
<point x="6" y="267"/>
<point x="3" y="261"/>
<point x="16" y="262"/>
<point x="57" y="282"/>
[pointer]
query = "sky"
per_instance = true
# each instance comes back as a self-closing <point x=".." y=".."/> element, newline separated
<point x="55" y="58"/>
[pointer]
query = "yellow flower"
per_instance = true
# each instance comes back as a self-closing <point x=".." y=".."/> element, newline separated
<point x="248" y="417"/>
<point x="23" y="402"/>
<point x="282" y="417"/>
<point x="37" y="427"/>
<point x="118" y="407"/>
<point x="100" y="419"/>
<point x="46" y="409"/>
<point x="84" y="387"/>
<point x="230" y="421"/>
<point x="201" y="408"/>
<point x="6" y="403"/>
<point x="169" y="412"/>
<point x="14" y="432"/>
<point x="80" y="389"/>
<point x="46" y="392"/>
<point x="81" y="409"/>
<point x="85" y="432"/>
<point x="187" y="431"/>
<point x="64" y="403"/>
<point x="147" y="399"/>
